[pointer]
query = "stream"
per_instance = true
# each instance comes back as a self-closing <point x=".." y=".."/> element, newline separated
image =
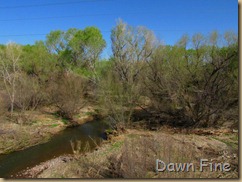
<point x="12" y="163"/>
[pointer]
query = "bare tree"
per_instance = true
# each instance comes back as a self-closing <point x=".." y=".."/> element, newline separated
<point x="9" y="69"/>
<point x="132" y="48"/>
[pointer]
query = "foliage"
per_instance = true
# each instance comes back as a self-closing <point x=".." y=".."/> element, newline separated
<point x="66" y="92"/>
<point x="132" y="47"/>
<point x="30" y="93"/>
<point x="80" y="48"/>
<point x="35" y="59"/>
<point x="194" y="84"/>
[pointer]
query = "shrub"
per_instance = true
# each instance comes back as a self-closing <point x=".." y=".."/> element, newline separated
<point x="30" y="93"/>
<point x="66" y="92"/>
<point x="195" y="85"/>
<point x="3" y="104"/>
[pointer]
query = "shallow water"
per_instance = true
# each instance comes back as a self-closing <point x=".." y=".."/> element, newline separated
<point x="91" y="132"/>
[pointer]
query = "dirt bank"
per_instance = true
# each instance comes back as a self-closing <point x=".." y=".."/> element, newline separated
<point x="41" y="126"/>
<point x="132" y="155"/>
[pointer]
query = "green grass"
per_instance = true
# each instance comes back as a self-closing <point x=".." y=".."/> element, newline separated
<point x="132" y="136"/>
<point x="235" y="137"/>
<point x="228" y="143"/>
<point x="77" y="116"/>
<point x="89" y="113"/>
<point x="56" y="115"/>
<point x="108" y="131"/>
<point x="65" y="121"/>
<point x="114" y="147"/>
<point x="34" y="121"/>
<point x="117" y="145"/>
<point x="54" y="125"/>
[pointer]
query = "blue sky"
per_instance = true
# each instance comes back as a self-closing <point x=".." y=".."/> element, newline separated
<point x="27" y="21"/>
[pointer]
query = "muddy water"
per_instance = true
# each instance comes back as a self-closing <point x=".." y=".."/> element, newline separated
<point x="92" y="132"/>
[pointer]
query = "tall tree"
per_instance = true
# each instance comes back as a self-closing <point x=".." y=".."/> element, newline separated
<point x="37" y="61"/>
<point x="132" y="48"/>
<point x="76" y="47"/>
<point x="195" y="84"/>
<point x="87" y="46"/>
<point x="9" y="69"/>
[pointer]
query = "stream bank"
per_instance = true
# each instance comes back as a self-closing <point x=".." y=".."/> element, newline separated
<point x="89" y="134"/>
<point x="42" y="126"/>
<point x="115" y="157"/>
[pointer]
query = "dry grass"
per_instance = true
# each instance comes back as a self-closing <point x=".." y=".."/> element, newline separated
<point x="138" y="155"/>
<point x="14" y="136"/>
<point x="133" y="155"/>
<point x="34" y="127"/>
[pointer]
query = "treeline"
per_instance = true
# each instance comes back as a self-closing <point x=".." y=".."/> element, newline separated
<point x="193" y="83"/>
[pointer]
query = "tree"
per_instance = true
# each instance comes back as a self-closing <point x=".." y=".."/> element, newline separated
<point x="196" y="85"/>
<point x="37" y="61"/>
<point x="9" y="69"/>
<point x="87" y="45"/>
<point x="132" y="48"/>
<point x="55" y="41"/>
<point x="76" y="47"/>
<point x="67" y="93"/>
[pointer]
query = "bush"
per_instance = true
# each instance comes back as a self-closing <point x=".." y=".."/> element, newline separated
<point x="195" y="86"/>
<point x="30" y="93"/>
<point x="118" y="98"/>
<point x="3" y="104"/>
<point x="66" y="92"/>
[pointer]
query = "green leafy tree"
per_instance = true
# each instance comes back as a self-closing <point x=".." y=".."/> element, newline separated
<point x="75" y="47"/>
<point x="37" y="61"/>
<point x="87" y="45"/>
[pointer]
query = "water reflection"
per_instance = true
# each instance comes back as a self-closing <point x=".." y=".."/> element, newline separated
<point x="91" y="132"/>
